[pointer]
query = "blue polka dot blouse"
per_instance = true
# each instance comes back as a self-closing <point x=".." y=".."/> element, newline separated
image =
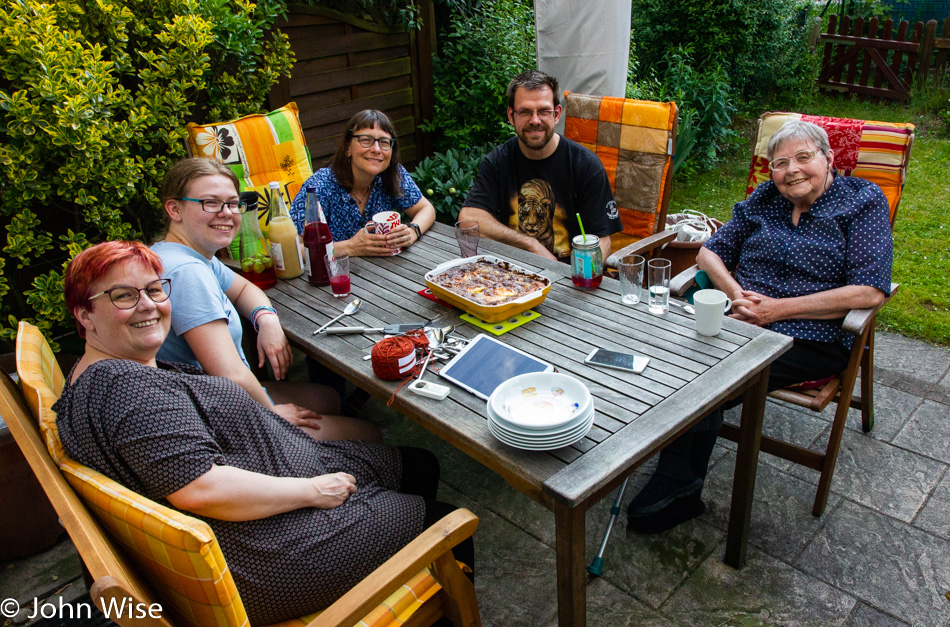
<point x="343" y="214"/>
<point x="844" y="239"/>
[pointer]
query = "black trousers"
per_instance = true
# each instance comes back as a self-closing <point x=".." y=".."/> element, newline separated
<point x="806" y="360"/>
<point x="420" y="476"/>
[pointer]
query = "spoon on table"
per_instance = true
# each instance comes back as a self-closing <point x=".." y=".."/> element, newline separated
<point x="684" y="306"/>
<point x="350" y="309"/>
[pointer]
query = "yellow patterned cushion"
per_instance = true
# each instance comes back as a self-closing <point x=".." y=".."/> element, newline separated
<point x="876" y="151"/>
<point x="634" y="140"/>
<point x="41" y="381"/>
<point x="178" y="553"/>
<point x="259" y="149"/>
<point x="395" y="610"/>
<point x="182" y="558"/>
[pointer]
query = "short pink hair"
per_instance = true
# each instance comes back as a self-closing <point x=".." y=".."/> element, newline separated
<point x="91" y="264"/>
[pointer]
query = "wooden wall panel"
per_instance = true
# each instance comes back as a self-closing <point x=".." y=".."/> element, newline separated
<point x="345" y="65"/>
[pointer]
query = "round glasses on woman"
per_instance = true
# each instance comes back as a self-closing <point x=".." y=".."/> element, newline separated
<point x="127" y="297"/>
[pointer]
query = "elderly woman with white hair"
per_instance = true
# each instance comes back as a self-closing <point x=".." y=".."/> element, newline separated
<point x="804" y="249"/>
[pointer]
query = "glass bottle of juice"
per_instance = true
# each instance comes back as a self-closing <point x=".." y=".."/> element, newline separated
<point x="251" y="199"/>
<point x="256" y="263"/>
<point x="317" y="239"/>
<point x="283" y="237"/>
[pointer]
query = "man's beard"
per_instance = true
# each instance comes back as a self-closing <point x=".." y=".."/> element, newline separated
<point x="536" y="144"/>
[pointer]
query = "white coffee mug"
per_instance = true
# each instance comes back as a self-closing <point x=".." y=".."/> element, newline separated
<point x="710" y="306"/>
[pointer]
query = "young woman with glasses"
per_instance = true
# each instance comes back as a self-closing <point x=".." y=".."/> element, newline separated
<point x="203" y="211"/>
<point x="365" y="178"/>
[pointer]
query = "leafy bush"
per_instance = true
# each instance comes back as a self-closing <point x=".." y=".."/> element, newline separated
<point x="759" y="44"/>
<point x="446" y="177"/>
<point x="482" y="52"/>
<point x="94" y="97"/>
<point x="706" y="108"/>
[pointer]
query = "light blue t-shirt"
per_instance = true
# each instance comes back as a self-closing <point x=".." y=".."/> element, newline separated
<point x="198" y="297"/>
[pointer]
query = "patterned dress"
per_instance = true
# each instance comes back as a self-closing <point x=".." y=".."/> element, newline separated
<point x="155" y="430"/>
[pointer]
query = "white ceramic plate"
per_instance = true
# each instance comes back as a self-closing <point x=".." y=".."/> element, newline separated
<point x="554" y="439"/>
<point x="508" y="427"/>
<point x="541" y="446"/>
<point x="541" y="400"/>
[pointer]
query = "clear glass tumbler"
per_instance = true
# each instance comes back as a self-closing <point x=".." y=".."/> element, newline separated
<point x="631" y="278"/>
<point x="659" y="271"/>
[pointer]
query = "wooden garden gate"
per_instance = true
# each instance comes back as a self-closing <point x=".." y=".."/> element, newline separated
<point x="857" y="62"/>
<point x="878" y="62"/>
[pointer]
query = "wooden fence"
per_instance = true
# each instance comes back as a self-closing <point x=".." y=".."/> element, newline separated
<point x="345" y="65"/>
<point x="872" y="60"/>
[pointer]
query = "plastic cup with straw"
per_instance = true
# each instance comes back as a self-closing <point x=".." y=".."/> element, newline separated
<point x="587" y="260"/>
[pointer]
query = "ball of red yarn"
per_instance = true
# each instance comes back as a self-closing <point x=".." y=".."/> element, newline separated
<point x="386" y="356"/>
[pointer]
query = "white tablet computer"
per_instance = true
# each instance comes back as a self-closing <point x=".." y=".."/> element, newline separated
<point x="486" y="363"/>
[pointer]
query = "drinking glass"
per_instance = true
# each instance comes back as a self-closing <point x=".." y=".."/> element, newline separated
<point x="631" y="278"/>
<point x="659" y="271"/>
<point x="339" y="267"/>
<point x="466" y="233"/>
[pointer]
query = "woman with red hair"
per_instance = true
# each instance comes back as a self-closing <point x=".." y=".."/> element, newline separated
<point x="299" y="521"/>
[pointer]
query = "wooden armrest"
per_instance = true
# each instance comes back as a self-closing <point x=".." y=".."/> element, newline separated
<point x="857" y="320"/>
<point x="683" y="281"/>
<point x="639" y="247"/>
<point x="422" y="551"/>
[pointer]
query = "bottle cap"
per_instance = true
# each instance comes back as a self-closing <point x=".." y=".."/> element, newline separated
<point x="274" y="185"/>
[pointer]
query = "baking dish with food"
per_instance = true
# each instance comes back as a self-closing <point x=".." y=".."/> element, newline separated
<point x="489" y="313"/>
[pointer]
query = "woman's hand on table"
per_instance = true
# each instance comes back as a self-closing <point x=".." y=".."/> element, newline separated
<point x="365" y="244"/>
<point x="297" y="415"/>
<point x="401" y="237"/>
<point x="272" y="345"/>
<point x="333" y="490"/>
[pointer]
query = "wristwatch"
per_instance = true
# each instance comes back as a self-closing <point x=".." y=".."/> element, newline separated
<point x="415" y="227"/>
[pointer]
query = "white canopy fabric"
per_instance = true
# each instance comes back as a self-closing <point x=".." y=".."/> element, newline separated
<point x="585" y="44"/>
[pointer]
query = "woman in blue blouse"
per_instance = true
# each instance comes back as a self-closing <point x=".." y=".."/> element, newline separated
<point x="365" y="178"/>
<point x="805" y="247"/>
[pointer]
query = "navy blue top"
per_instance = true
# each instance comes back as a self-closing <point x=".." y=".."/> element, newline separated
<point x="844" y="239"/>
<point x="342" y="213"/>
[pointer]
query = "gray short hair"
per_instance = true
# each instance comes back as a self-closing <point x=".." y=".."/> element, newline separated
<point x="798" y="129"/>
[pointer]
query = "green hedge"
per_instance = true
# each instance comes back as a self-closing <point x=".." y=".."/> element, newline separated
<point x="94" y="98"/>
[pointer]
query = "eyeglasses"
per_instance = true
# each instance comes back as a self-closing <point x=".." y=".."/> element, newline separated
<point x="801" y="158"/>
<point x="212" y="205"/>
<point x="543" y="114"/>
<point x="127" y="297"/>
<point x="367" y="141"/>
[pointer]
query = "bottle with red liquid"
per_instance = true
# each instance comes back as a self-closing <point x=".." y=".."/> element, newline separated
<point x="257" y="266"/>
<point x="317" y="239"/>
<point x="587" y="261"/>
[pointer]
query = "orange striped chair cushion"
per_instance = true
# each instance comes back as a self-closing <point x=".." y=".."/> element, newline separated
<point x="876" y="151"/>
<point x="179" y="554"/>
<point x="634" y="140"/>
<point x="259" y="149"/>
<point x="41" y="380"/>
<point x="181" y="557"/>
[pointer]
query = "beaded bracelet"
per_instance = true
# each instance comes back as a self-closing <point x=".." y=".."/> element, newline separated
<point x="261" y="311"/>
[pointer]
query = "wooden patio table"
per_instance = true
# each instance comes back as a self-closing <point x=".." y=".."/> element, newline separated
<point x="636" y="415"/>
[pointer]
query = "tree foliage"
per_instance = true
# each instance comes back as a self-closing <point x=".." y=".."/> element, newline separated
<point x="94" y="98"/>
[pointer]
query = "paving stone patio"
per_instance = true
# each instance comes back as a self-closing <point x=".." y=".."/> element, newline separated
<point x="879" y="556"/>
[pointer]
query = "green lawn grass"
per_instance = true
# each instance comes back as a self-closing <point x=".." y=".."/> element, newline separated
<point x="921" y="308"/>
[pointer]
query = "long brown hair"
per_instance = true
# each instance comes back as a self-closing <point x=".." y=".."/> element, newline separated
<point x="340" y="165"/>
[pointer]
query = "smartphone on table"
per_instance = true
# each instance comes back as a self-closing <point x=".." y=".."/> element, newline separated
<point x="620" y="361"/>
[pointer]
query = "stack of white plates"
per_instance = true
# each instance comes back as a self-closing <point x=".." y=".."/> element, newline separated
<point x="540" y="411"/>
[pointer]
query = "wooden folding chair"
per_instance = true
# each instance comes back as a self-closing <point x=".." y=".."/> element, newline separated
<point x="634" y="139"/>
<point x="142" y="552"/>
<point x="876" y="151"/>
